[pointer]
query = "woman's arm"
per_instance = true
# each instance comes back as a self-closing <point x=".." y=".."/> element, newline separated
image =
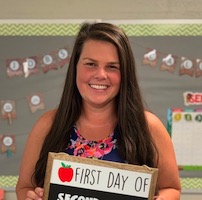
<point x="168" y="178"/>
<point x="30" y="156"/>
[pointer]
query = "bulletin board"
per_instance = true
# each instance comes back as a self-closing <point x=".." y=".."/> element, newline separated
<point x="161" y="88"/>
<point x="185" y="127"/>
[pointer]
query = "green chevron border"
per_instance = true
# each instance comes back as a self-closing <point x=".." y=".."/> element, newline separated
<point x="38" y="29"/>
<point x="186" y="183"/>
<point x="162" y="29"/>
<point x="72" y="29"/>
<point x="191" y="183"/>
<point x="8" y="181"/>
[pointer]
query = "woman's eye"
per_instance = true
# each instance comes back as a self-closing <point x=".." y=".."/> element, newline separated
<point x="91" y="64"/>
<point x="113" y="67"/>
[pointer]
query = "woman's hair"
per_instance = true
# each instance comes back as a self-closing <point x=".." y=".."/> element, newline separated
<point x="134" y="140"/>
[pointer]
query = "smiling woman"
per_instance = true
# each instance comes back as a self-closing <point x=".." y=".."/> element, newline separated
<point x="100" y="116"/>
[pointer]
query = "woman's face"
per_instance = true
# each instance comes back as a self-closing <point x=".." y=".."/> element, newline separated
<point x="98" y="73"/>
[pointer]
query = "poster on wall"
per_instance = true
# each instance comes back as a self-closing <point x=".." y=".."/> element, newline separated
<point x="72" y="177"/>
<point x="185" y="127"/>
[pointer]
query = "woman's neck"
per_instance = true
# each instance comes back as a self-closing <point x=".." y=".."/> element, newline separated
<point x="95" y="123"/>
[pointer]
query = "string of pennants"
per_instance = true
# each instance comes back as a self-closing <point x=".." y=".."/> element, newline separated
<point x="8" y="112"/>
<point x="33" y="64"/>
<point x="28" y="66"/>
<point x="8" y="107"/>
<point x="55" y="59"/>
<point x="191" y="67"/>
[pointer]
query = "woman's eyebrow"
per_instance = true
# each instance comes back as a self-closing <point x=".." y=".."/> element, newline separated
<point x="87" y="58"/>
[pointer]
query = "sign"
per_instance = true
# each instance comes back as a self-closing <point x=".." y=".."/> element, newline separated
<point x="77" y="178"/>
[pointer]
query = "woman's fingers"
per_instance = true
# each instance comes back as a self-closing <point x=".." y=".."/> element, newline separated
<point x="37" y="194"/>
<point x="39" y="191"/>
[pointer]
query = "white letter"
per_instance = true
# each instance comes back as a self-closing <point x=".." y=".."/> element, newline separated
<point x="74" y="197"/>
<point x="60" y="196"/>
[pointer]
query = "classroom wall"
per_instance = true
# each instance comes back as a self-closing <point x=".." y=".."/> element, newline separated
<point x="105" y="10"/>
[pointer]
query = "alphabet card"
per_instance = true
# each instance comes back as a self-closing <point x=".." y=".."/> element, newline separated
<point x="77" y="178"/>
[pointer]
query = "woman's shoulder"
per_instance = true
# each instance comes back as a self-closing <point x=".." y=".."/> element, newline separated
<point x="49" y="115"/>
<point x="156" y="127"/>
<point x="151" y="118"/>
<point x="44" y="123"/>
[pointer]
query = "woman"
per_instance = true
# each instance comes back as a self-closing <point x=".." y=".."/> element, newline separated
<point x="101" y="102"/>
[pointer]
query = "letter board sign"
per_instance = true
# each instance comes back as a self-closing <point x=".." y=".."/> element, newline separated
<point x="77" y="178"/>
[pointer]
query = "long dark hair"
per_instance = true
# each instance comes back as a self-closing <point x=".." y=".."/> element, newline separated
<point x="134" y="141"/>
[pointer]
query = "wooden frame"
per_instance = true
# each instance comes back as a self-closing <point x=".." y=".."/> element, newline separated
<point x="92" y="179"/>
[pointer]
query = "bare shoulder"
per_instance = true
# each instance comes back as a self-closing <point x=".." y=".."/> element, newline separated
<point x="38" y="133"/>
<point x="152" y="120"/>
<point x="156" y="127"/>
<point x="43" y="124"/>
<point x="48" y="116"/>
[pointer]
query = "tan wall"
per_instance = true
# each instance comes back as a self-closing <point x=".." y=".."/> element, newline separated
<point x="105" y="9"/>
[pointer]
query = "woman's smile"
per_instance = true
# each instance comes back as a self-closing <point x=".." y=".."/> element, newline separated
<point x="98" y="87"/>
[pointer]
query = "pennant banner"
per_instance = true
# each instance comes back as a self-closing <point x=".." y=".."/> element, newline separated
<point x="8" y="144"/>
<point x="187" y="66"/>
<point x="36" y="101"/>
<point x="34" y="64"/>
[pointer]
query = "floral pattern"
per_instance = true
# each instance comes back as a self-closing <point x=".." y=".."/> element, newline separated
<point x="91" y="149"/>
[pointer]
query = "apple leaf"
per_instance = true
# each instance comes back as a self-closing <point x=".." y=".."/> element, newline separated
<point x="63" y="164"/>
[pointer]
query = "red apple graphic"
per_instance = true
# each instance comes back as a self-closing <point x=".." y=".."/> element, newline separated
<point x="65" y="173"/>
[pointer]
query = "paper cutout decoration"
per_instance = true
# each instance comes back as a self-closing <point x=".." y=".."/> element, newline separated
<point x="198" y="71"/>
<point x="168" y="63"/>
<point x="192" y="98"/>
<point x="30" y="66"/>
<point x="36" y="101"/>
<point x="186" y="67"/>
<point x="14" y="67"/>
<point x="63" y="57"/>
<point x="8" y="110"/>
<point x="8" y="144"/>
<point x="150" y="58"/>
<point x="48" y="62"/>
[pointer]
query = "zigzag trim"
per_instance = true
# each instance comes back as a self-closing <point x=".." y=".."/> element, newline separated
<point x="186" y="183"/>
<point x="39" y="29"/>
<point x="191" y="183"/>
<point x="162" y="29"/>
<point x="8" y="181"/>
<point x="72" y="29"/>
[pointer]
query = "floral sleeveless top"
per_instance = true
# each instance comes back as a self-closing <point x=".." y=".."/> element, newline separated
<point x="105" y="149"/>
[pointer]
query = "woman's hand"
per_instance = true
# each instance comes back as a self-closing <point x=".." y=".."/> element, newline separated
<point x="37" y="194"/>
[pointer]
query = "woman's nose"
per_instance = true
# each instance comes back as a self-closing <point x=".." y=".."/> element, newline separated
<point x="101" y="73"/>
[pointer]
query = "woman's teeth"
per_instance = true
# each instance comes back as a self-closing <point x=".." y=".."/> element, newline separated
<point x="99" y="87"/>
